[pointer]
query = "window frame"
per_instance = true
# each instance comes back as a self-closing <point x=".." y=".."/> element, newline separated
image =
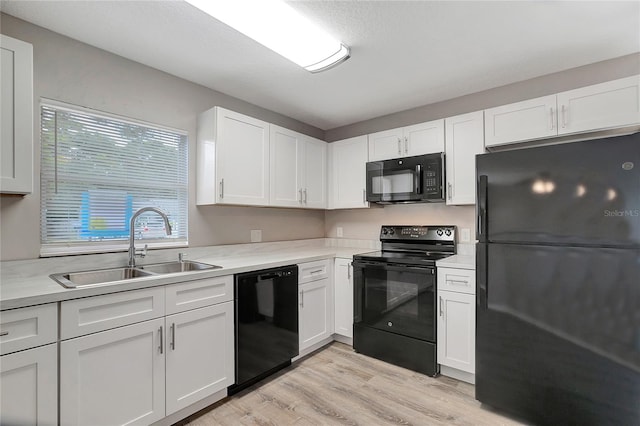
<point x="52" y="249"/>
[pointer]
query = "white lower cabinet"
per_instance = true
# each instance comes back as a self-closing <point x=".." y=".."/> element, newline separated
<point x="315" y="303"/>
<point x="114" y="377"/>
<point x="457" y="322"/>
<point x="343" y="301"/>
<point x="199" y="357"/>
<point x="29" y="387"/>
<point x="140" y="372"/>
<point x="315" y="313"/>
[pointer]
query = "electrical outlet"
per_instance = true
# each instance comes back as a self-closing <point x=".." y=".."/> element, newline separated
<point x="465" y="235"/>
<point x="339" y="231"/>
<point x="256" y="235"/>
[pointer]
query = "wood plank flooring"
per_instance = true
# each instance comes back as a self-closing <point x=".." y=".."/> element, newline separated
<point x="336" y="386"/>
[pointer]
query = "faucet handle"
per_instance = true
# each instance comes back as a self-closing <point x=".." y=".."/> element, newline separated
<point x="181" y="257"/>
<point x="143" y="251"/>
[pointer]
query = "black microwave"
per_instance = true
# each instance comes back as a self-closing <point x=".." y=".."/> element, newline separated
<point x="415" y="179"/>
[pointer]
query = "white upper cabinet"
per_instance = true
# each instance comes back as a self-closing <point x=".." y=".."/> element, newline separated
<point x="599" y="107"/>
<point x="531" y="119"/>
<point x="464" y="139"/>
<point x="314" y="167"/>
<point x="348" y="169"/>
<point x="298" y="168"/>
<point x="16" y="116"/>
<point x="285" y="169"/>
<point x="423" y="138"/>
<point x="233" y="159"/>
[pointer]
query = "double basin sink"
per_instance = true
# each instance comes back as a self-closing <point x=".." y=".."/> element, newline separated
<point x="123" y="274"/>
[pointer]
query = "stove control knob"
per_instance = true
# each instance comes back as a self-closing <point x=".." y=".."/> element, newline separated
<point x="385" y="231"/>
<point x="391" y="231"/>
<point x="439" y="232"/>
<point x="447" y="232"/>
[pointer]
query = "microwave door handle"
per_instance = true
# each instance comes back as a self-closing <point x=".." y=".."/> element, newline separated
<point x="418" y="179"/>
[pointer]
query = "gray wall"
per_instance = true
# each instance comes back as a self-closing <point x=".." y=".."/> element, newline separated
<point x="73" y="72"/>
<point x="365" y="224"/>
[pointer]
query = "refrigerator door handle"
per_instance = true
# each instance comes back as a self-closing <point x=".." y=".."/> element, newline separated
<point x="481" y="276"/>
<point x="482" y="208"/>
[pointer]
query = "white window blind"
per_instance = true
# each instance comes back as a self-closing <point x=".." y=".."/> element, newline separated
<point x="97" y="170"/>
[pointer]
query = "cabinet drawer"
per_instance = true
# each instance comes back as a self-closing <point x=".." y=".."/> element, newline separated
<point x="93" y="314"/>
<point x="197" y="294"/>
<point x="313" y="271"/>
<point x="457" y="280"/>
<point x="28" y="327"/>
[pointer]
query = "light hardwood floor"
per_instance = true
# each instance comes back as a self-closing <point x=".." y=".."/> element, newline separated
<point x="335" y="386"/>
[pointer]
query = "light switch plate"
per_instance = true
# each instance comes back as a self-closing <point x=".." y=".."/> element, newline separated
<point x="465" y="235"/>
<point x="339" y="231"/>
<point x="256" y="235"/>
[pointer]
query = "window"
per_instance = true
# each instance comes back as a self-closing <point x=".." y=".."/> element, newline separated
<point x="97" y="170"/>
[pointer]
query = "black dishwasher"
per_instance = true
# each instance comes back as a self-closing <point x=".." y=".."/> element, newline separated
<point x="266" y="323"/>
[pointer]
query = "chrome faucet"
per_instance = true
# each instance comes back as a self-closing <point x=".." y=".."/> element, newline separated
<point x="132" y="225"/>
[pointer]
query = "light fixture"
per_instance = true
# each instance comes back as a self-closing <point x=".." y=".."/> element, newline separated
<point x="279" y="27"/>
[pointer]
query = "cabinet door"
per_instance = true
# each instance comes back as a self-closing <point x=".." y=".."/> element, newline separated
<point x="315" y="312"/>
<point x="343" y="289"/>
<point x="242" y="159"/>
<point x="424" y="138"/>
<point x="16" y="116"/>
<point x="348" y="173"/>
<point x="200" y="352"/>
<point x="531" y="119"/>
<point x="601" y="106"/>
<point x="314" y="165"/>
<point x="465" y="139"/>
<point x="29" y="387"/>
<point x="386" y="144"/>
<point x="286" y="170"/>
<point x="114" y="377"/>
<point x="456" y="330"/>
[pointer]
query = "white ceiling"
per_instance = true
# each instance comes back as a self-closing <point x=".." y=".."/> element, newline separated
<point x="404" y="54"/>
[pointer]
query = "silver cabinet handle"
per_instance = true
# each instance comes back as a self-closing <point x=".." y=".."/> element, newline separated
<point x="4" y="333"/>
<point x="161" y="340"/>
<point x="349" y="266"/>
<point x="302" y="298"/>
<point x="551" y="118"/>
<point x="173" y="336"/>
<point x="364" y="196"/>
<point x="564" y="120"/>
<point x="458" y="281"/>
<point x="300" y="195"/>
<point x="406" y="145"/>
<point x="441" y="307"/>
<point x="221" y="188"/>
<point x="399" y="146"/>
<point x="316" y="271"/>
<point x="305" y="195"/>
<point x="449" y="191"/>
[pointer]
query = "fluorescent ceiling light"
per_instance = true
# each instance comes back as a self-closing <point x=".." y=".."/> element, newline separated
<point x="279" y="27"/>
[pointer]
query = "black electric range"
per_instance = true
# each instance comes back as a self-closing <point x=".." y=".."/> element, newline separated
<point x="413" y="245"/>
<point x="395" y="296"/>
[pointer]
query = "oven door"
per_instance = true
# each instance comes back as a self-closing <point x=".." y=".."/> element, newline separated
<point x="400" y="299"/>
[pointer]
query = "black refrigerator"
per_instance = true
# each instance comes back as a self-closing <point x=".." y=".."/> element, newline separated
<point x="558" y="282"/>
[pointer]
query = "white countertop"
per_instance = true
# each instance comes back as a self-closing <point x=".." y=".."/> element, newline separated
<point x="460" y="261"/>
<point x="27" y="282"/>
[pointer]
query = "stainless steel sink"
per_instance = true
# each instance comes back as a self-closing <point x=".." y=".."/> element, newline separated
<point x="97" y="277"/>
<point x="173" y="267"/>
<point x="113" y="275"/>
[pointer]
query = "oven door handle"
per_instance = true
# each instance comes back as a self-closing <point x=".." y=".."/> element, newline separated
<point x="431" y="270"/>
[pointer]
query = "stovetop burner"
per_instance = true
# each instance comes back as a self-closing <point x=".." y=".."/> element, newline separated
<point x="413" y="245"/>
